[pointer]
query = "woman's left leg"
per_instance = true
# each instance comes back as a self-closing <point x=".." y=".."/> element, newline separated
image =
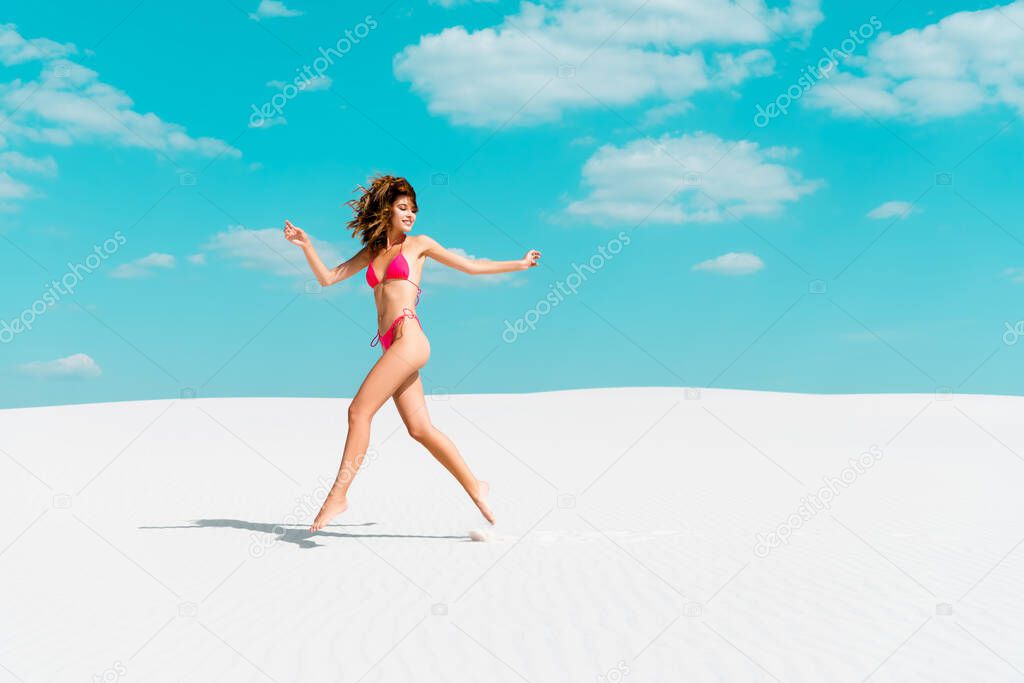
<point x="406" y="356"/>
<point x="412" y="406"/>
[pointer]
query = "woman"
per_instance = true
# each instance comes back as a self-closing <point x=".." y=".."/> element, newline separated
<point x="384" y="216"/>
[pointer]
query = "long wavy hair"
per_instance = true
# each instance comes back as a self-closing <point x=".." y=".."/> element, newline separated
<point x="373" y="209"/>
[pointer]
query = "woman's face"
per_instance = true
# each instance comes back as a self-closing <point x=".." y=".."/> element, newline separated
<point x="403" y="213"/>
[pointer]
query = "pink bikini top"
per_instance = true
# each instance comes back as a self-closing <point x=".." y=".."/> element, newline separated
<point x="398" y="269"/>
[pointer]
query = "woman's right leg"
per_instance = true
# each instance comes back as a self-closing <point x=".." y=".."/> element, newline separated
<point x="387" y="374"/>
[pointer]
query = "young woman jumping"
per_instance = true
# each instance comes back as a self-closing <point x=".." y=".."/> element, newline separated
<point x="384" y="215"/>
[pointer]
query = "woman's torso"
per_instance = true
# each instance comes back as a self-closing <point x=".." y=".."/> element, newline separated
<point x="391" y="294"/>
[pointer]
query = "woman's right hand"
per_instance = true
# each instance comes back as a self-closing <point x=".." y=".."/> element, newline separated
<point x="530" y="260"/>
<point x="296" y="236"/>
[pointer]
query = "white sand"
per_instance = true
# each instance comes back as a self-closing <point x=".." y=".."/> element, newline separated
<point x="142" y="542"/>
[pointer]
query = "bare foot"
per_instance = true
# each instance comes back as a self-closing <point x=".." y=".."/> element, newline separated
<point x="332" y="507"/>
<point x="481" y="500"/>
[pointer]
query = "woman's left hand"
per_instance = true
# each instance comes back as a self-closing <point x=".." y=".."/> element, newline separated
<point x="531" y="258"/>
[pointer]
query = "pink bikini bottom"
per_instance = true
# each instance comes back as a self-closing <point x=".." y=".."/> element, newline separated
<point x="388" y="337"/>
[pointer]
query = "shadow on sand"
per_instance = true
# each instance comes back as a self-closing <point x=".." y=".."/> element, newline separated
<point x="295" y="534"/>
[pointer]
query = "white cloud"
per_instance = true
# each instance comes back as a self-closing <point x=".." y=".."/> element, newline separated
<point x="78" y="365"/>
<point x="435" y="273"/>
<point x="268" y="250"/>
<point x="732" y="263"/>
<point x="322" y="82"/>
<point x="722" y="179"/>
<point x="16" y="161"/>
<point x="11" y="188"/>
<point x="272" y="8"/>
<point x="317" y="83"/>
<point x="892" y="209"/>
<point x="619" y="55"/>
<point x="1015" y="275"/>
<point x="453" y="3"/>
<point x="960" y="64"/>
<point x="197" y="259"/>
<point x="16" y="50"/>
<point x="143" y="267"/>
<point x="68" y="103"/>
<point x="269" y="123"/>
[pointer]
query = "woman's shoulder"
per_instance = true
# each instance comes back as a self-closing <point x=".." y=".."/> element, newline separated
<point x="421" y="242"/>
<point x="423" y="239"/>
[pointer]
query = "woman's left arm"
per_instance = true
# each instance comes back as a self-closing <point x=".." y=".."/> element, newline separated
<point x="478" y="266"/>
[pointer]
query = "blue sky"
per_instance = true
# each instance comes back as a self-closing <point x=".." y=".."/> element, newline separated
<point x="866" y="239"/>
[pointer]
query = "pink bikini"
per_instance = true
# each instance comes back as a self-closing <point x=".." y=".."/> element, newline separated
<point x="398" y="269"/>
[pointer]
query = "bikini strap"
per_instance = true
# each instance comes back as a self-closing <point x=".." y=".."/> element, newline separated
<point x="418" y="290"/>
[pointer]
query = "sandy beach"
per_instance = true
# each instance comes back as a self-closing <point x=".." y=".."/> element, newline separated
<point x="644" y="534"/>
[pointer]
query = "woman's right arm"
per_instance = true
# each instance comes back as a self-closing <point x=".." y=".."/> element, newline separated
<point x="324" y="275"/>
